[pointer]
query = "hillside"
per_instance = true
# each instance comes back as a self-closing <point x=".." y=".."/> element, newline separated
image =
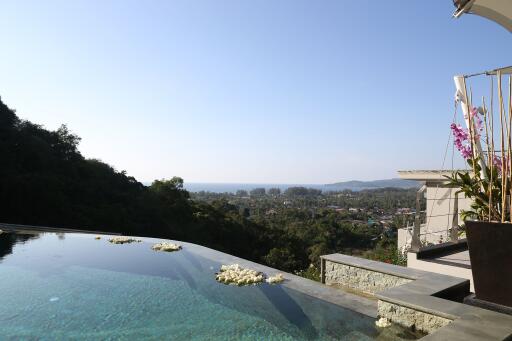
<point x="45" y="180"/>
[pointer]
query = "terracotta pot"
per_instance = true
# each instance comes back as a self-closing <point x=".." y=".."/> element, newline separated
<point x="490" y="251"/>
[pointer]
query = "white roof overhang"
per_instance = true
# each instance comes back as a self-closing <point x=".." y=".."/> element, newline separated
<point x="499" y="11"/>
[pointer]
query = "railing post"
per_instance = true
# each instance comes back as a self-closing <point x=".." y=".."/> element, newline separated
<point x="415" y="242"/>
<point x="322" y="270"/>
<point x="454" y="233"/>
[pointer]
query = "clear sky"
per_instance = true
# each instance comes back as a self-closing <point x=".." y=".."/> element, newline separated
<point x="255" y="91"/>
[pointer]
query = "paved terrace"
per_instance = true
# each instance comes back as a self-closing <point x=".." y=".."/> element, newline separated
<point x="460" y="259"/>
<point x="451" y="258"/>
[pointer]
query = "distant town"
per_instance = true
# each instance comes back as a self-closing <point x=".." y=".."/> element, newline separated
<point x="360" y="222"/>
<point x="384" y="206"/>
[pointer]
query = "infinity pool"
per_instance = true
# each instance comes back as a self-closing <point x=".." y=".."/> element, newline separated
<point x="72" y="286"/>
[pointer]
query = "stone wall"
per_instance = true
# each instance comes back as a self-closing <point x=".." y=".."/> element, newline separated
<point x="411" y="318"/>
<point x="409" y="297"/>
<point x="363" y="280"/>
<point x="373" y="281"/>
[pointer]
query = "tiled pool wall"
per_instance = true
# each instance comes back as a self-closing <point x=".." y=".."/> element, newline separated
<point x="420" y="300"/>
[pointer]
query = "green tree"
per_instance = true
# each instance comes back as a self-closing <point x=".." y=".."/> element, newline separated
<point x="274" y="191"/>
<point x="242" y="193"/>
<point x="257" y="192"/>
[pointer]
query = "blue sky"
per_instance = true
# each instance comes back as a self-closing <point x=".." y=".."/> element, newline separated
<point x="246" y="91"/>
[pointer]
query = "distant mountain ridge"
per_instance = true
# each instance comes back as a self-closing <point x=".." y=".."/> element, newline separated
<point x="356" y="185"/>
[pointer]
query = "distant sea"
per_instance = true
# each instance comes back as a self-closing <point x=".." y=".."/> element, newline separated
<point x="233" y="187"/>
<point x="339" y="186"/>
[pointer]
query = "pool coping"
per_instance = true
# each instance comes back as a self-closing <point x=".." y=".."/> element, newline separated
<point x="427" y="293"/>
<point x="346" y="300"/>
<point x="34" y="229"/>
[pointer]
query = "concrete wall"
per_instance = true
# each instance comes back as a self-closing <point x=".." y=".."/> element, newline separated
<point x="393" y="286"/>
<point x="411" y="318"/>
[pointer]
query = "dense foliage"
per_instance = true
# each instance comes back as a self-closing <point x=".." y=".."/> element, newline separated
<point x="301" y="224"/>
<point x="44" y="180"/>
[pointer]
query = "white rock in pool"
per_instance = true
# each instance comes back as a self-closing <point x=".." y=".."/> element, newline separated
<point x="167" y="247"/>
<point x="235" y="274"/>
<point x="382" y="323"/>
<point x="279" y="278"/>
<point x="123" y="240"/>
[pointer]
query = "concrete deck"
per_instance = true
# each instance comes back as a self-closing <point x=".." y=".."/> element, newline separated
<point x="443" y="260"/>
<point x="459" y="259"/>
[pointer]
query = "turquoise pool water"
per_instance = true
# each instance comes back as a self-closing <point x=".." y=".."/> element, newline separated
<point x="71" y="286"/>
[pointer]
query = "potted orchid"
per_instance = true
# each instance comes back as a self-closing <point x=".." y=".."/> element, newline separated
<point x="488" y="183"/>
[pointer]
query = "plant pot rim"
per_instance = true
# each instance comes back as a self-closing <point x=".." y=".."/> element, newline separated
<point x="487" y="221"/>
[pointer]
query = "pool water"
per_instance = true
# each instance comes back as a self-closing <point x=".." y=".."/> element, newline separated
<point x="71" y="286"/>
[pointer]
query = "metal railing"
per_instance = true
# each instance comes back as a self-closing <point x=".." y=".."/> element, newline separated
<point x="421" y="232"/>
